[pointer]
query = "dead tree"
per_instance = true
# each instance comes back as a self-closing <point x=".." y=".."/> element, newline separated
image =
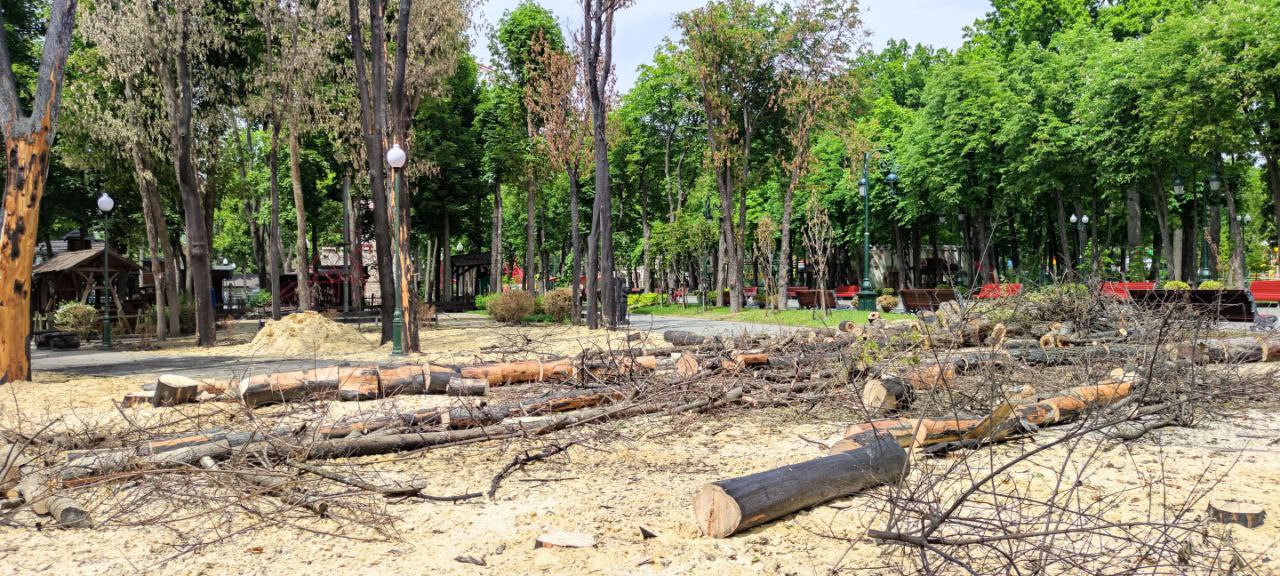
<point x="27" y="140"/>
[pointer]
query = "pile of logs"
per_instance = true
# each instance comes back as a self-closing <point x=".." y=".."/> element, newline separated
<point x="874" y="453"/>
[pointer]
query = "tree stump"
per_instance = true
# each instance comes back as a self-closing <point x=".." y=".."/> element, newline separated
<point x="1242" y="513"/>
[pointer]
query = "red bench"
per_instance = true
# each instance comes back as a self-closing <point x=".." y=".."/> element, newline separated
<point x="1265" y="290"/>
<point x="809" y="298"/>
<point x="847" y="291"/>
<point x="1121" y="289"/>
<point x="991" y="291"/>
<point x="792" y="291"/>
<point x="750" y="292"/>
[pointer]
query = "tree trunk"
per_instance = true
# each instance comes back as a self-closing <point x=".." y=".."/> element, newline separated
<point x="1273" y="182"/>
<point x="372" y="125"/>
<point x="1237" y="273"/>
<point x="1064" y="245"/>
<point x="575" y="237"/>
<point x="446" y="257"/>
<point x="646" y="278"/>
<point x="495" y="241"/>
<point x="27" y="144"/>
<point x="28" y="167"/>
<point x="274" y="248"/>
<point x="300" y="218"/>
<point x="1166" y="233"/>
<point x="177" y="84"/>
<point x="1133" y="229"/>
<point x="530" y="232"/>
<point x="153" y="220"/>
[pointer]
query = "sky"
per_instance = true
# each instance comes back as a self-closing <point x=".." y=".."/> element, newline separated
<point x="641" y="28"/>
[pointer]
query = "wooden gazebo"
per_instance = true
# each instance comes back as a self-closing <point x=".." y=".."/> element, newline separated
<point x="75" y="275"/>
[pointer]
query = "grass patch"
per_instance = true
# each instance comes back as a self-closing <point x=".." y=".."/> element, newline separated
<point x="786" y="318"/>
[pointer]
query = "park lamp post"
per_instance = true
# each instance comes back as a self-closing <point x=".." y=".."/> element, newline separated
<point x="1080" y="221"/>
<point x="396" y="158"/>
<point x="867" y="298"/>
<point x="1214" y="185"/>
<point x="105" y="205"/>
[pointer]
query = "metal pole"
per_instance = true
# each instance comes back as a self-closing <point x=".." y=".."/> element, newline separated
<point x="106" y="280"/>
<point x="866" y="298"/>
<point x="397" y="319"/>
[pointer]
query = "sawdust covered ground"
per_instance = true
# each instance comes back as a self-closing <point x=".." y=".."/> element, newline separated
<point x="458" y="339"/>
<point x="638" y="473"/>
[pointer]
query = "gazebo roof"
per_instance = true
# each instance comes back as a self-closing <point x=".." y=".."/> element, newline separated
<point x="88" y="261"/>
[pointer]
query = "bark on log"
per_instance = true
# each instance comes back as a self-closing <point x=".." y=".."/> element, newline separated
<point x="467" y="387"/>
<point x="686" y="338"/>
<point x="68" y="513"/>
<point x="404" y="380"/>
<point x="519" y="372"/>
<point x="725" y="507"/>
<point x="11" y="462"/>
<point x="140" y="398"/>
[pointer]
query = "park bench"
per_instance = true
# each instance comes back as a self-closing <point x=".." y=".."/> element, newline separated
<point x="992" y="291"/>
<point x="1228" y="305"/>
<point x="809" y="298"/>
<point x="1265" y="290"/>
<point x="917" y="299"/>
<point x="1121" y="290"/>
<point x="847" y="292"/>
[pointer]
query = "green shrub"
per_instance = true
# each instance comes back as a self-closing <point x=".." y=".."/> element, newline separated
<point x="511" y="307"/>
<point x="539" y="318"/>
<point x="643" y="300"/>
<point x="482" y="301"/>
<point x="1212" y="285"/>
<point x="1176" y="285"/>
<point x="886" y="291"/>
<point x="81" y="319"/>
<point x="260" y="299"/>
<point x="887" y="302"/>
<point x="558" y="304"/>
<point x="944" y="287"/>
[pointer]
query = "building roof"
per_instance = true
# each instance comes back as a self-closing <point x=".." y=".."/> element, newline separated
<point x="84" y="261"/>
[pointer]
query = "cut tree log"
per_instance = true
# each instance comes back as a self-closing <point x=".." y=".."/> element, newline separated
<point x="883" y="395"/>
<point x="68" y="513"/>
<point x="467" y="387"/>
<point x="140" y="398"/>
<point x="520" y="372"/>
<point x="1233" y="512"/>
<point x="686" y="338"/>
<point x="11" y="462"/>
<point x="687" y="365"/>
<point x="409" y="379"/>
<point x="172" y="390"/>
<point x="725" y="507"/>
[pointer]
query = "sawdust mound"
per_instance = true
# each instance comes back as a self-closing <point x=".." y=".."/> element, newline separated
<point x="310" y="334"/>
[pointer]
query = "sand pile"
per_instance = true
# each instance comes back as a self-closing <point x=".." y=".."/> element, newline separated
<point x="309" y="334"/>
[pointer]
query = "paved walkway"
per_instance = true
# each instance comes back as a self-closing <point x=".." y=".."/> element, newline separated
<point x="109" y="363"/>
<point x="707" y="327"/>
